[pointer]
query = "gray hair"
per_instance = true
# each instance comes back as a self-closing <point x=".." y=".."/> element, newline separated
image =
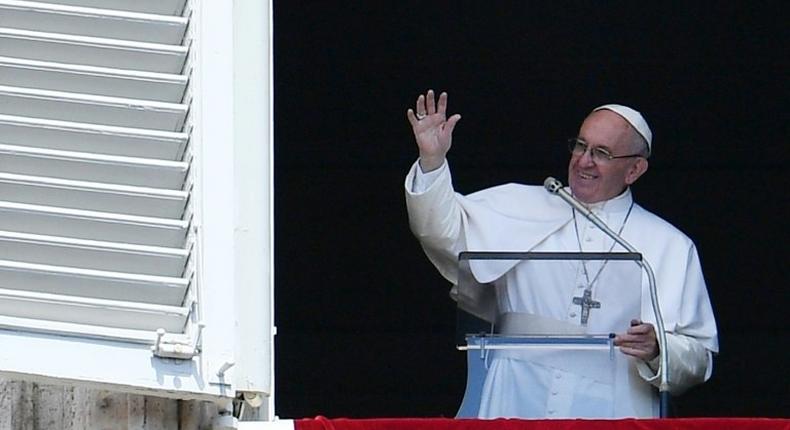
<point x="638" y="144"/>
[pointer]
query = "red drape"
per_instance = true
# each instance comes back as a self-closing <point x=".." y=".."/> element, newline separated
<point x="321" y="423"/>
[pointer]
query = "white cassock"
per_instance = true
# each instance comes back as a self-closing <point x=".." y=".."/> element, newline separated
<point x="520" y="218"/>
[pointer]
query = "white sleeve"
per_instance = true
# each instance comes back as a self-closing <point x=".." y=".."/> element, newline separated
<point x="423" y="181"/>
<point x="690" y="363"/>
<point x="690" y="325"/>
<point x="435" y="216"/>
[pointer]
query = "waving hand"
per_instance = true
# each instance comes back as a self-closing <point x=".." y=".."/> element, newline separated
<point x="433" y="131"/>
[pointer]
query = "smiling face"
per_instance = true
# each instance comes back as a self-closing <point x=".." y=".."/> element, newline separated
<point x="593" y="181"/>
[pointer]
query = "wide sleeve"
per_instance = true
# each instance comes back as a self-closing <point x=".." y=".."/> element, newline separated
<point x="690" y="364"/>
<point x="692" y="337"/>
<point x="435" y="218"/>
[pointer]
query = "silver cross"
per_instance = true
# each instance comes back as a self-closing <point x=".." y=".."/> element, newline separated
<point x="587" y="303"/>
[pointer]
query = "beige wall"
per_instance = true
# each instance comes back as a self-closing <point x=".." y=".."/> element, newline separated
<point x="31" y="406"/>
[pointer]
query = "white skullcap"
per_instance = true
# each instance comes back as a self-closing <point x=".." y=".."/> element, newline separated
<point x="634" y="118"/>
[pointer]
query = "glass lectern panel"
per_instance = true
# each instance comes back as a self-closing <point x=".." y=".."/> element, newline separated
<point x="542" y="377"/>
<point x="538" y="329"/>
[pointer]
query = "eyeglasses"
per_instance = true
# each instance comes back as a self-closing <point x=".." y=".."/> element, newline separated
<point x="598" y="154"/>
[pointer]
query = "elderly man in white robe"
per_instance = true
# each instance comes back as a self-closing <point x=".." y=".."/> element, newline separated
<point x="609" y="154"/>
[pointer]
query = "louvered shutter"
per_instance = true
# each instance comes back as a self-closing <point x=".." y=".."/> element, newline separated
<point x="103" y="209"/>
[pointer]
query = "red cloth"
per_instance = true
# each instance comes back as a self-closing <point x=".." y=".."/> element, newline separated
<point x="322" y="423"/>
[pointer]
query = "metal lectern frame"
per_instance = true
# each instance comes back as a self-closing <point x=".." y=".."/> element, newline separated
<point x="482" y="338"/>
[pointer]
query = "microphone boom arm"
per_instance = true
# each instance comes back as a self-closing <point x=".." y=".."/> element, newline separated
<point x="555" y="187"/>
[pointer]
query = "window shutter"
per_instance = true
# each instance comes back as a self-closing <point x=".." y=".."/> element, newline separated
<point x="81" y="247"/>
<point x="102" y="206"/>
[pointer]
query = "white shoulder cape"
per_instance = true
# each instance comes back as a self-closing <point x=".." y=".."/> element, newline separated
<point x="516" y="217"/>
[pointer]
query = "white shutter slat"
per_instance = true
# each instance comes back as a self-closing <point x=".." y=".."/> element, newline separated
<point x="92" y="225"/>
<point x="92" y="167"/>
<point x="150" y="202"/>
<point x="64" y="329"/>
<point x="114" y="111"/>
<point x="105" y="313"/>
<point x="85" y="137"/>
<point x="89" y="283"/>
<point x="92" y="51"/>
<point x="92" y="254"/>
<point x="54" y="18"/>
<point x="162" y="7"/>
<point x="47" y="75"/>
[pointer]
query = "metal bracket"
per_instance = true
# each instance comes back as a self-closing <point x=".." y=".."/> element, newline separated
<point x="177" y="347"/>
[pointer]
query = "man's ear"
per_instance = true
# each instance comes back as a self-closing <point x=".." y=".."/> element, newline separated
<point x="636" y="170"/>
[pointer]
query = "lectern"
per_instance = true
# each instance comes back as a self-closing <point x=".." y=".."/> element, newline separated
<point x="528" y="357"/>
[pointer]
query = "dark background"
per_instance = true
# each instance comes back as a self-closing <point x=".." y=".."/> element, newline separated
<point x="365" y="326"/>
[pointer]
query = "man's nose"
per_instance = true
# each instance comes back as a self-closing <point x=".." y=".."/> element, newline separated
<point x="586" y="159"/>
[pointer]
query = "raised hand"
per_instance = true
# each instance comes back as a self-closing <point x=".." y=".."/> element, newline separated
<point x="432" y="130"/>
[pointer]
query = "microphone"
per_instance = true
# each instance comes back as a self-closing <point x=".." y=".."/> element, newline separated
<point x="552" y="185"/>
<point x="555" y="187"/>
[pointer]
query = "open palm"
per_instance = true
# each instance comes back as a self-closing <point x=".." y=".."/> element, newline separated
<point x="432" y="130"/>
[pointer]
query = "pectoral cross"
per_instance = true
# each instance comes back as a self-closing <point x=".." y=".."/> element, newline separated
<point x="587" y="303"/>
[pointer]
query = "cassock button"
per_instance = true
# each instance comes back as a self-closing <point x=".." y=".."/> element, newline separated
<point x="588" y="239"/>
<point x="551" y="411"/>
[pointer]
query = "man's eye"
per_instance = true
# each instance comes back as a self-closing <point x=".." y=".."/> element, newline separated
<point x="603" y="153"/>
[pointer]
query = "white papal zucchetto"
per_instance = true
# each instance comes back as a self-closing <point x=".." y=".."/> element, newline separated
<point x="634" y="118"/>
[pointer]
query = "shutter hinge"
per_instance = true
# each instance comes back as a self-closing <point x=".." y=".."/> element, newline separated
<point x="176" y="346"/>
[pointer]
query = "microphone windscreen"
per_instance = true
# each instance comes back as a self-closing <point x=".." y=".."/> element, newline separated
<point x="552" y="185"/>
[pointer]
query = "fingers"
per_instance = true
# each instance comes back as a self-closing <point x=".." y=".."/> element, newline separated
<point x="643" y="350"/>
<point x="638" y="341"/>
<point x="427" y="105"/>
<point x="641" y="329"/>
<point x="430" y="103"/>
<point x="636" y="352"/>
<point x="411" y="117"/>
<point x="631" y="339"/>
<point x="630" y="350"/>
<point x="442" y="103"/>
<point x="642" y="333"/>
<point x="450" y="124"/>
<point x="420" y="106"/>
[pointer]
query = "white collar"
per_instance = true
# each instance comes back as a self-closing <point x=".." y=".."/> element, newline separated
<point x="620" y="203"/>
